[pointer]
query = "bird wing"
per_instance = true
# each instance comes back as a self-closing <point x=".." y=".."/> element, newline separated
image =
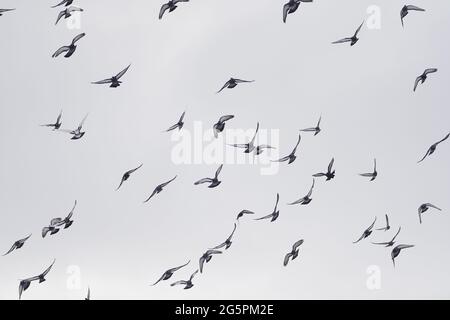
<point x="308" y="130"/>
<point x="201" y="262"/>
<point x="243" y="81"/>
<point x="362" y="237"/>
<point x="311" y="190"/>
<point x="78" y="37"/>
<point x="11" y="250"/>
<point x="103" y="81"/>
<point x="218" y="171"/>
<point x="82" y="121"/>
<point x="359" y="28"/>
<point x="182" y="117"/>
<point x="179" y="267"/>
<point x="286" y="259"/>
<point x="60" y="15"/>
<point x="163" y="9"/>
<point x="342" y="40"/>
<point x="404" y="246"/>
<point x="151" y="196"/>
<point x="297" y="244"/>
<point x="166" y="183"/>
<point x="181" y="282"/>
<point x="59" y="4"/>
<point x="72" y="9"/>
<point x="71" y="211"/>
<point x="433" y="206"/>
<point x="265" y="217"/>
<point x="240" y="145"/>
<point x="366" y="174"/>
<point x="445" y="138"/>
<point x="276" y="203"/>
<point x="224" y="86"/>
<point x="162" y="277"/>
<point x="121" y="73"/>
<point x="412" y="7"/>
<point x="298" y="142"/>
<point x="373" y="223"/>
<point x="426" y="154"/>
<point x="416" y="83"/>
<point x="60" y="50"/>
<point x="399" y="228"/>
<point x="319" y="175"/>
<point x="318" y="123"/>
<point x="225" y="118"/>
<point x="286" y="8"/>
<point x="330" y="166"/>
<point x="48" y="269"/>
<point x="223" y="244"/>
<point x="282" y="159"/>
<point x="430" y="70"/>
<point x="204" y="180"/>
<point x="176" y="1"/>
<point x="172" y="127"/>
<point x="133" y="170"/>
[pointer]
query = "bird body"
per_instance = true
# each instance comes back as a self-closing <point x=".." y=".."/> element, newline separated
<point x="127" y="175"/>
<point x="353" y="40"/>
<point x="213" y="182"/>
<point x="171" y="6"/>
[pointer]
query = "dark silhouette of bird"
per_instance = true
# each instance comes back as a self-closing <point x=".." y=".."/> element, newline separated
<point x="274" y="215"/>
<point x="70" y="49"/>
<point x="306" y="199"/>
<point x="227" y="243"/>
<point x="316" y="129"/>
<point x="294" y="253"/>
<point x="424" y="76"/>
<point x="169" y="273"/>
<point x="405" y="10"/>
<point x="206" y="257"/>
<point x="242" y="213"/>
<point x="159" y="188"/>
<point x="56" y="125"/>
<point x="179" y="124"/>
<point x="67" y="13"/>
<point x="2" y="11"/>
<point x="17" y="245"/>
<point x="291" y="157"/>
<point x="291" y="7"/>
<point x="213" y="182"/>
<point x="372" y="175"/>
<point x="389" y="243"/>
<point x="186" y="283"/>
<point x="233" y="82"/>
<point x="77" y="133"/>
<point x="52" y="228"/>
<point x="220" y="125"/>
<point x="114" y="80"/>
<point x="424" y="208"/>
<point x="127" y="175"/>
<point x="25" y="284"/>
<point x="353" y="40"/>
<point x="330" y="172"/>
<point x="66" y="3"/>
<point x="396" y="251"/>
<point x="387" y="224"/>
<point x="366" y="232"/>
<point x="249" y="147"/>
<point x="88" y="296"/>
<point x="433" y="147"/>
<point x="171" y="5"/>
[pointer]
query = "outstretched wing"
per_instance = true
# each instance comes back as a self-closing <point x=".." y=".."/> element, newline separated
<point x="204" y="180"/>
<point x="11" y="249"/>
<point x="415" y="8"/>
<point x="163" y="9"/>
<point x="224" y="86"/>
<point x="342" y="40"/>
<point x="225" y="118"/>
<point x="243" y="81"/>
<point x="282" y="159"/>
<point x="330" y="166"/>
<point x="103" y="81"/>
<point x="121" y="73"/>
<point x="286" y="259"/>
<point x="78" y="37"/>
<point x="218" y="171"/>
<point x="60" y="50"/>
<point x="445" y="138"/>
<point x="162" y="185"/>
<point x="181" y="282"/>
<point x="359" y="29"/>
<point x="430" y="70"/>
<point x="297" y="244"/>
<point x="426" y="155"/>
<point x="416" y="83"/>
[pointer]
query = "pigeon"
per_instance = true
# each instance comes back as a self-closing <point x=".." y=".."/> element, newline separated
<point x="396" y="251"/>
<point x="372" y="175"/>
<point x="220" y="125"/>
<point x="353" y="40"/>
<point x="432" y="149"/>
<point x="114" y="80"/>
<point x="366" y="232"/>
<point x="169" y="273"/>
<point x="56" y="125"/>
<point x="405" y="10"/>
<point x="159" y="188"/>
<point x="179" y="124"/>
<point x="66" y="222"/>
<point x="76" y="134"/>
<point x="294" y="253"/>
<point x="291" y="7"/>
<point x="66" y="3"/>
<point x="186" y="283"/>
<point x="88" y="297"/>
<point x="206" y="257"/>
<point x="249" y="147"/>
<point x="306" y="199"/>
<point x="52" y="228"/>
<point x="387" y="224"/>
<point x="24" y="284"/>
<point x="2" y="11"/>
<point x="389" y="243"/>
<point x="171" y="5"/>
<point x="214" y="182"/>
<point x="424" y="208"/>
<point x="274" y="215"/>
<point x="316" y="129"/>
<point x="227" y="242"/>
<point x="329" y="174"/>
<point x="291" y="157"/>
<point x="424" y="76"/>
<point x="127" y="175"/>
<point x="17" y="245"/>
<point x="67" y="13"/>
<point x="70" y="49"/>
<point x="242" y="213"/>
<point x="230" y="84"/>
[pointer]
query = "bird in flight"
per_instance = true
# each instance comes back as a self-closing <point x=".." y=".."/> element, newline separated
<point x="70" y="49"/>
<point x="424" y="208"/>
<point x="227" y="242"/>
<point x="330" y="172"/>
<point x="171" y="5"/>
<point x="424" y="76"/>
<point x="179" y="124"/>
<point x="316" y="129"/>
<point x="67" y="13"/>
<point x="405" y="10"/>
<point x="291" y="7"/>
<point x="249" y="147"/>
<point x="274" y="215"/>
<point x="25" y="284"/>
<point x="17" y="245"/>
<point x="294" y="253"/>
<point x="291" y="157"/>
<point x="169" y="273"/>
<point x="389" y="243"/>
<point x="387" y="224"/>
<point x="366" y="232"/>
<point x="206" y="257"/>
<point x="2" y="11"/>
<point x="76" y="134"/>
<point x="214" y="182"/>
<point x="56" y="223"/>
<point x="186" y="283"/>
<point x="372" y="175"/>
<point x="242" y="213"/>
<point x="66" y="3"/>
<point x="396" y="251"/>
<point x="432" y="149"/>
<point x="220" y="125"/>
<point x="159" y="188"/>
<point x="56" y="125"/>
<point x="114" y="80"/>
<point x="233" y="82"/>
<point x="127" y="175"/>
<point x="353" y="40"/>
<point x="306" y="199"/>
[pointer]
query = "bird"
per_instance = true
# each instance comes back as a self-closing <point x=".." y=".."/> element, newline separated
<point x="76" y="134"/>
<point x="88" y="296"/>
<point x="186" y="283"/>
<point x="249" y="147"/>
<point x="206" y="257"/>
<point x="56" y="125"/>
<point x="17" y="245"/>
<point x="179" y="124"/>
<point x="159" y="188"/>
<point x="424" y="208"/>
<point x="127" y="175"/>
<point x="294" y="253"/>
<point x="306" y="199"/>
<point x="52" y="228"/>
<point x="316" y="129"/>
<point x="387" y="224"/>
<point x="233" y="82"/>
<point x="242" y="213"/>
<point x="2" y="11"/>
<point x="171" y="5"/>
<point x="372" y="175"/>
<point x="329" y="174"/>
<point x="67" y="13"/>
<point x="214" y="182"/>
<point x="353" y="40"/>
<point x="70" y="49"/>
<point x="220" y="125"/>
<point x="66" y="3"/>
<point x="432" y="149"/>
<point x="274" y="215"/>
<point x="25" y="283"/>
<point x="405" y="10"/>
<point x="66" y="222"/>
<point x="396" y="251"/>
<point x="227" y="243"/>
<point x="424" y="76"/>
<point x="366" y="232"/>
<point x="389" y="243"/>
<point x="291" y="7"/>
<point x="169" y="273"/>
<point x="114" y="80"/>
<point x="291" y="157"/>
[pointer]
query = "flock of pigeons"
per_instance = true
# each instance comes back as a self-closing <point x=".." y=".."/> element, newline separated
<point x="57" y="224"/>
